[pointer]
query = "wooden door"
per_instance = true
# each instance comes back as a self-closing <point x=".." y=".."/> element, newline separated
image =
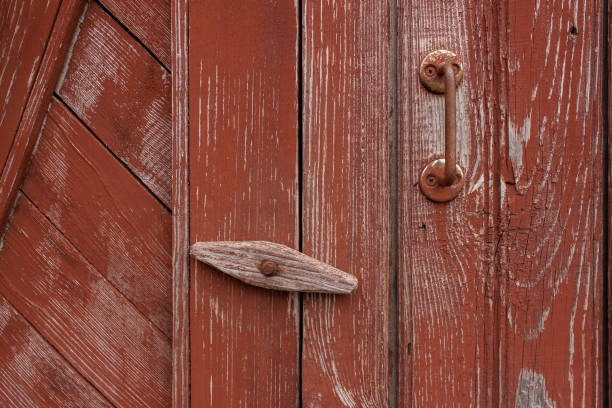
<point x="304" y="123"/>
<point x="85" y="195"/>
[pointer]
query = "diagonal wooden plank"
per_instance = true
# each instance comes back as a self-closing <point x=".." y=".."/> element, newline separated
<point x="123" y="95"/>
<point x="148" y="20"/>
<point x="25" y="27"/>
<point x="346" y="196"/>
<point x="36" y="107"/>
<point x="33" y="374"/>
<point x="104" y="212"/>
<point x="243" y="104"/>
<point x="81" y="314"/>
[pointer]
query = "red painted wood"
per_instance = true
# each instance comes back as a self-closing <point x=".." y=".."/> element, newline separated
<point x="346" y="197"/>
<point x="447" y="280"/>
<point x="25" y="27"/>
<point x="123" y="95"/>
<point x="81" y="314"/>
<point x="104" y="212"/>
<point x="149" y="20"/>
<point x="500" y="290"/>
<point x="180" y="208"/>
<point x="551" y="210"/>
<point x="38" y="100"/>
<point x="243" y="105"/>
<point x="33" y="374"/>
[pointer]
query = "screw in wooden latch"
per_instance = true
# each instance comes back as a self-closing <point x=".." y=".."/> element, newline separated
<point x="268" y="268"/>
<point x="440" y="72"/>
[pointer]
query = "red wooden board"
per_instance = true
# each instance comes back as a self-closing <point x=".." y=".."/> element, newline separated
<point x="123" y="95"/>
<point x="81" y="314"/>
<point x="500" y="290"/>
<point x="25" y="27"/>
<point x="346" y="198"/>
<point x="33" y="374"/>
<point x="149" y="20"/>
<point x="243" y="105"/>
<point x="38" y="100"/>
<point x="105" y="213"/>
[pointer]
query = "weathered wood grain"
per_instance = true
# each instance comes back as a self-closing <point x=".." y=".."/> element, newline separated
<point x="148" y="20"/>
<point x="104" y="212"/>
<point x="446" y="282"/>
<point x="346" y="197"/>
<point x="25" y="27"/>
<point x="81" y="314"/>
<point x="123" y="95"/>
<point x="243" y="105"/>
<point x="551" y="214"/>
<point x="180" y="208"/>
<point x="38" y="100"/>
<point x="33" y="374"/>
<point x="501" y="288"/>
<point x="288" y="269"/>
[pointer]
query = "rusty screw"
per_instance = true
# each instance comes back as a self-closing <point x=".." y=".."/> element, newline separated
<point x="431" y="180"/>
<point x="268" y="268"/>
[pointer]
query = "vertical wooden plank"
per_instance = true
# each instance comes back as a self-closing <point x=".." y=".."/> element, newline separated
<point x="447" y="281"/>
<point x="346" y="200"/>
<point x="36" y="106"/>
<point x="243" y="120"/>
<point x="551" y="215"/>
<point x="25" y="27"/>
<point x="180" y="207"/>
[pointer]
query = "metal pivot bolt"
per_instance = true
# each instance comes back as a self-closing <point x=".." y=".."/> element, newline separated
<point x="442" y="179"/>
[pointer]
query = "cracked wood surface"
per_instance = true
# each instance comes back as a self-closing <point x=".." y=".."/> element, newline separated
<point x="501" y="289"/>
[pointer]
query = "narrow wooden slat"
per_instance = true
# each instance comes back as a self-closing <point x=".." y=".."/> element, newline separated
<point x="25" y="27"/>
<point x="102" y="209"/>
<point x="33" y="374"/>
<point x="243" y="106"/>
<point x="36" y="107"/>
<point x="89" y="322"/>
<point x="447" y="300"/>
<point x="287" y="269"/>
<point x="551" y="215"/>
<point x="149" y="20"/>
<point x="180" y="208"/>
<point x="346" y="195"/>
<point x="123" y="95"/>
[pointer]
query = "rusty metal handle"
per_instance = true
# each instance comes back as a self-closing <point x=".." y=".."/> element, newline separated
<point x="450" y="126"/>
<point x="442" y="179"/>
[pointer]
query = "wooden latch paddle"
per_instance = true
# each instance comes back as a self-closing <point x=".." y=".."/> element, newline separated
<point x="273" y="266"/>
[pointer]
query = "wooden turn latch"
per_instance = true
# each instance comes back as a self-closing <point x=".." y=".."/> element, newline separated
<point x="273" y="266"/>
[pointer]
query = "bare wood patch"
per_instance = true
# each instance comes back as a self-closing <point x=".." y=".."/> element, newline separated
<point x="273" y="266"/>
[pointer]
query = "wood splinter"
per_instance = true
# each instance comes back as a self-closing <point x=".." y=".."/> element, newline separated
<point x="273" y="266"/>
